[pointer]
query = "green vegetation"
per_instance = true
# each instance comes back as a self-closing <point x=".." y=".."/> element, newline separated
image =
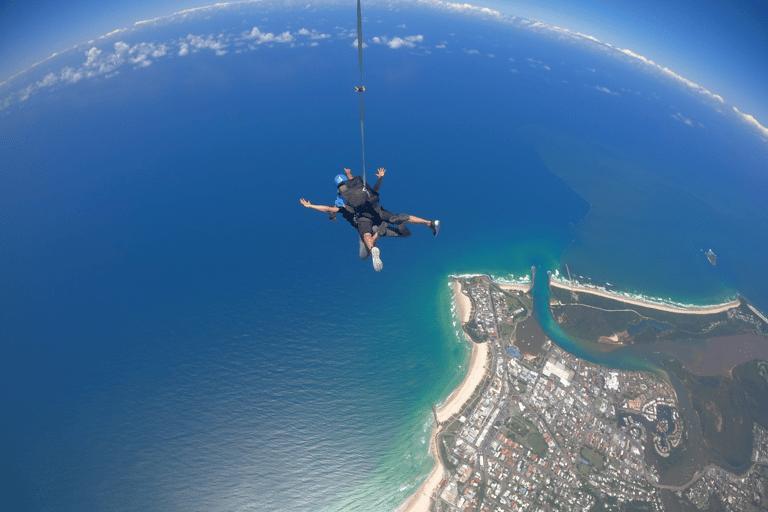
<point x="614" y="463"/>
<point x="523" y="432"/>
<point x="444" y="442"/>
<point x="752" y="378"/>
<point x="590" y="317"/>
<point x="639" y="506"/>
<point x="517" y="426"/>
<point x="452" y="427"/>
<point x="725" y="407"/>
<point x="603" y="503"/>
<point x="631" y="395"/>
<point x="471" y="329"/>
<point x="513" y="300"/>
<point x="507" y="330"/>
<point x="595" y="458"/>
<point x="537" y="443"/>
<point x="516" y="299"/>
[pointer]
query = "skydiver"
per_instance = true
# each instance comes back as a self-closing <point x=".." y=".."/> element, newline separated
<point x="368" y="217"/>
<point x="365" y="229"/>
<point x="365" y="202"/>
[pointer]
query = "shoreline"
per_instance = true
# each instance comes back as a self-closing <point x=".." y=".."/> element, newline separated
<point x="693" y="310"/>
<point x="420" y="500"/>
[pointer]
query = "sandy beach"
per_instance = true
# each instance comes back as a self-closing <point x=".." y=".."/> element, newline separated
<point x="525" y="288"/>
<point x="704" y="310"/>
<point x="419" y="500"/>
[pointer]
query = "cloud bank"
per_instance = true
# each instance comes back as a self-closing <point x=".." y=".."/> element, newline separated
<point x="106" y="62"/>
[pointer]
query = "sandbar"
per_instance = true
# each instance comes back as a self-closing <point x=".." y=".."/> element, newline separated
<point x="693" y="310"/>
<point x="420" y="500"/>
<point x="525" y="288"/>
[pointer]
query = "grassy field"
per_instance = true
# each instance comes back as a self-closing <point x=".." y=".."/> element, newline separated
<point x="596" y="459"/>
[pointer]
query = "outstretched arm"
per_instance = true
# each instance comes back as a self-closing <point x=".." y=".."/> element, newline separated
<point x="348" y="172"/>
<point x="380" y="173"/>
<point x="319" y="207"/>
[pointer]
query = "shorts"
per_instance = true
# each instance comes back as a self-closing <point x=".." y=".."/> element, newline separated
<point x="365" y="225"/>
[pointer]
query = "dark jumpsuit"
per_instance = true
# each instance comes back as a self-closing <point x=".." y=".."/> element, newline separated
<point x="371" y="214"/>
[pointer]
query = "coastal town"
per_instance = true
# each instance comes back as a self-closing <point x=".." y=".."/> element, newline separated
<point x="544" y="430"/>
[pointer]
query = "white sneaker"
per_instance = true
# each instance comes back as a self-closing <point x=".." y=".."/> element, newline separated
<point x="377" y="264"/>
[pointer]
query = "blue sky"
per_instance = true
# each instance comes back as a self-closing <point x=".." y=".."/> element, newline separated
<point x="719" y="44"/>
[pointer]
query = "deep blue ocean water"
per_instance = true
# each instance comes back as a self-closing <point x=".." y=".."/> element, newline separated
<point x="179" y="333"/>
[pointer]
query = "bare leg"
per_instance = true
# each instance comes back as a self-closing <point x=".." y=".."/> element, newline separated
<point x="417" y="220"/>
<point x="434" y="225"/>
<point x="370" y="240"/>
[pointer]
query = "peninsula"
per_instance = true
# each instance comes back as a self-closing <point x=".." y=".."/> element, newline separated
<point x="533" y="427"/>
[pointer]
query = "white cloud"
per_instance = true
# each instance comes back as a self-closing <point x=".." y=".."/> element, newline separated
<point x="268" y="37"/>
<point x="24" y="94"/>
<point x="680" y="117"/>
<point x="664" y="71"/>
<point x="471" y="52"/>
<point x="313" y="34"/>
<point x="142" y="51"/>
<point x="100" y="65"/>
<point x="491" y="55"/>
<point x="91" y="56"/>
<point x="606" y="90"/>
<point x="67" y="75"/>
<point x="365" y="45"/>
<point x="752" y="122"/>
<point x="399" y="42"/>
<point x="216" y="45"/>
<point x="105" y="63"/>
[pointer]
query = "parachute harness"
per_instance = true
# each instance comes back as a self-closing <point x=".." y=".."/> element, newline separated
<point x="361" y="89"/>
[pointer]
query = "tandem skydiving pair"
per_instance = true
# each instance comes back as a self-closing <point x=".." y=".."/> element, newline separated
<point x="358" y="203"/>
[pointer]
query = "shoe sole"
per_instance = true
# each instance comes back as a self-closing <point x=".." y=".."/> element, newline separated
<point x="437" y="227"/>
<point x="377" y="263"/>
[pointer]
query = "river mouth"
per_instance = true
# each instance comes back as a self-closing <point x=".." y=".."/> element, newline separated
<point x="699" y="363"/>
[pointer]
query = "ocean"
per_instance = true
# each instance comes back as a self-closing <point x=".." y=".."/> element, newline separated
<point x="179" y="333"/>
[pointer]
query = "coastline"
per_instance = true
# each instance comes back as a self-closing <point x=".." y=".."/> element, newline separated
<point x="694" y="310"/>
<point x="525" y="288"/>
<point x="420" y="500"/>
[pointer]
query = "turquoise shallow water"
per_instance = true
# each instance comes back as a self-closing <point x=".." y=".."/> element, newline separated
<point x="178" y="332"/>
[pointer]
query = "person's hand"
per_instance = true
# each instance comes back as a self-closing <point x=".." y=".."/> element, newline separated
<point x="348" y="172"/>
<point x="381" y="172"/>
<point x="306" y="203"/>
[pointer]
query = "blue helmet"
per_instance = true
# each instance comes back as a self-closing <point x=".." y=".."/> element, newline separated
<point x="340" y="202"/>
<point x="339" y="179"/>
